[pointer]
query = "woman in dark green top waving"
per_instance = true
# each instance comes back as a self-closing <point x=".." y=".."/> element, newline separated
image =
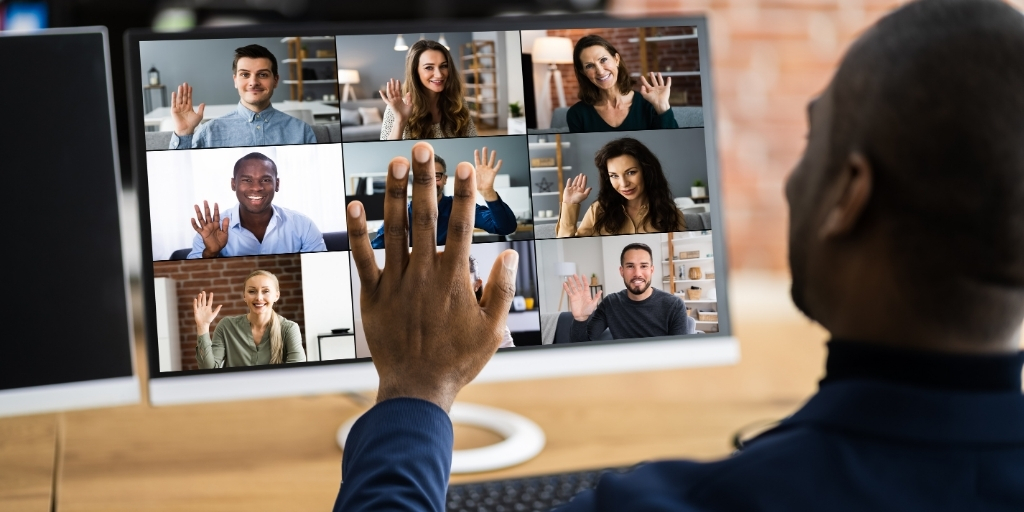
<point x="607" y="99"/>
<point x="261" y="336"/>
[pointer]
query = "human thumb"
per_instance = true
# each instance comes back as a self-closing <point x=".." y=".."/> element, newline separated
<point x="501" y="286"/>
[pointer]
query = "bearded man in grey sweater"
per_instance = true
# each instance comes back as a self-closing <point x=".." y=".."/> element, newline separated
<point x="639" y="311"/>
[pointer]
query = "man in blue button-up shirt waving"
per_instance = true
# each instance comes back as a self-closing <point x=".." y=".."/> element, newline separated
<point x="254" y="226"/>
<point x="253" y="123"/>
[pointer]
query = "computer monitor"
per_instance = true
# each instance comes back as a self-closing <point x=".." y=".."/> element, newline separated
<point x="70" y="333"/>
<point x="292" y="126"/>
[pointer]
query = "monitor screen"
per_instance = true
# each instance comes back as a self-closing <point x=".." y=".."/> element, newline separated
<point x="71" y="328"/>
<point x="593" y="144"/>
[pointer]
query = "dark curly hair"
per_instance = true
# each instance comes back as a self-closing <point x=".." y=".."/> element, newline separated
<point x="662" y="212"/>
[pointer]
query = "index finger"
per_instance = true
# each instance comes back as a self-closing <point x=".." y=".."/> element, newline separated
<point x="362" y="252"/>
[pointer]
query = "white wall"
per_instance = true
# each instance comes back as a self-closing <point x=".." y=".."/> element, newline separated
<point x="312" y="183"/>
<point x="541" y="88"/>
<point x="549" y="253"/>
<point x="514" y="63"/>
<point x="327" y="303"/>
<point x="167" y="337"/>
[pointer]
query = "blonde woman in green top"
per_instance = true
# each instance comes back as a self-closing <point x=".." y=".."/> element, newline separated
<point x="259" y="337"/>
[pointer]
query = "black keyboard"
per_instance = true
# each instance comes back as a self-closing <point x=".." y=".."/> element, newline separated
<point x="523" y="494"/>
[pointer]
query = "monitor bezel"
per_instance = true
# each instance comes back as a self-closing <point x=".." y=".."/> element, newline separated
<point x="358" y="374"/>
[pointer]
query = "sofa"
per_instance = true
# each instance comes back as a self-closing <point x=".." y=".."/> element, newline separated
<point x="563" y="324"/>
<point x="354" y="127"/>
<point x="686" y="117"/>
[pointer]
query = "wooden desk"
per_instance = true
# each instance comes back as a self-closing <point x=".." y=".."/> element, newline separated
<point x="281" y="454"/>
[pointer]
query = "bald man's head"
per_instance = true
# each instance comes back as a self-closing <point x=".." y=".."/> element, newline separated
<point x="932" y="97"/>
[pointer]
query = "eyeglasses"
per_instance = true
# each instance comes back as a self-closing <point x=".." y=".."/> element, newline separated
<point x="438" y="176"/>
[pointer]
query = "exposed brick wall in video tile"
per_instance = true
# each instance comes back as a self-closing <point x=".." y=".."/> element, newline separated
<point x="225" y="278"/>
<point x="677" y="55"/>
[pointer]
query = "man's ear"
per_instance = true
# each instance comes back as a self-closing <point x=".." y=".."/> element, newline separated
<point x="277" y="184"/>
<point x="232" y="184"/>
<point x="849" y="196"/>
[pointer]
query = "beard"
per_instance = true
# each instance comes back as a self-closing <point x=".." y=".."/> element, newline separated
<point x="638" y="289"/>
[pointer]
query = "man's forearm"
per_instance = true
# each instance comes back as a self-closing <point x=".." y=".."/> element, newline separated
<point x="398" y="456"/>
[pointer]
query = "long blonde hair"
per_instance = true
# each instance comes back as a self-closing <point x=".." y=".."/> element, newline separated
<point x="450" y="103"/>
<point x="276" y="342"/>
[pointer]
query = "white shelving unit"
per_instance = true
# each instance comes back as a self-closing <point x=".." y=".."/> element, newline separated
<point x="548" y="200"/>
<point x="302" y="55"/>
<point x="479" y="61"/>
<point x="676" y="278"/>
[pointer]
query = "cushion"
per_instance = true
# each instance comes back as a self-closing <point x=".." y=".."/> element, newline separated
<point x="370" y="115"/>
<point x="350" y="117"/>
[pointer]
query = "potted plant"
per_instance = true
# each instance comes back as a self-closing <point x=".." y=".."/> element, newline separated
<point x="698" y="190"/>
<point x="516" y="119"/>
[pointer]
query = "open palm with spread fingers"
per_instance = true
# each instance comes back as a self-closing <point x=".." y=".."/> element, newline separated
<point x="212" y="228"/>
<point x="204" y="312"/>
<point x="576" y="190"/>
<point x="486" y="169"/>
<point x="185" y="119"/>
<point x="400" y="104"/>
<point x="581" y="304"/>
<point x="656" y="91"/>
<point x="426" y="331"/>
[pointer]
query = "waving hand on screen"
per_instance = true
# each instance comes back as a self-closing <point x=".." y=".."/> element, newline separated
<point x="185" y="119"/>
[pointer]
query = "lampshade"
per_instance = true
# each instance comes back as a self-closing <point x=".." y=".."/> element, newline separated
<point x="400" y="45"/>
<point x="348" y="76"/>
<point x="566" y="268"/>
<point x="441" y="41"/>
<point x="552" y="50"/>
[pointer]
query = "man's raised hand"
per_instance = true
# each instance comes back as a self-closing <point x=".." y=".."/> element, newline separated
<point x="185" y="119"/>
<point x="212" y="228"/>
<point x="581" y="304"/>
<point x="426" y="332"/>
<point x="486" y="169"/>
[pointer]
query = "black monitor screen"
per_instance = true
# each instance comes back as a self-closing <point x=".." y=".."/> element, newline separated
<point x="66" y="282"/>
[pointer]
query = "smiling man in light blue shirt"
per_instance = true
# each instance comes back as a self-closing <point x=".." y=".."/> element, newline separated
<point x="254" y="226"/>
<point x="253" y="123"/>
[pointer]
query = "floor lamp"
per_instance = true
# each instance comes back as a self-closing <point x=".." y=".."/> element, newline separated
<point x="551" y="51"/>
<point x="565" y="269"/>
<point x="347" y="77"/>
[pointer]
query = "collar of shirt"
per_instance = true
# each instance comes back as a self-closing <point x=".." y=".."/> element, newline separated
<point x="642" y="214"/>
<point x="850" y="359"/>
<point x="236" y="219"/>
<point x="249" y="115"/>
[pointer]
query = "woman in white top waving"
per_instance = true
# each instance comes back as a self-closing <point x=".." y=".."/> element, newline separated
<point x="430" y="104"/>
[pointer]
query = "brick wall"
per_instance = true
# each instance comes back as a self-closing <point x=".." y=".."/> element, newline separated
<point x="661" y="56"/>
<point x="225" y="278"/>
